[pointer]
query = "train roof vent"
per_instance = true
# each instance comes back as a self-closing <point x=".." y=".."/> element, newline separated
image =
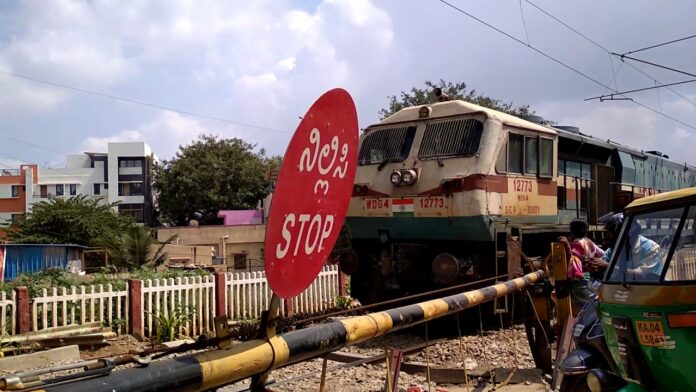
<point x="569" y="128"/>
<point x="533" y="118"/>
<point x="658" y="153"/>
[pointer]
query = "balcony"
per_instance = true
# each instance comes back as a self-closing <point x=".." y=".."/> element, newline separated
<point x="9" y="172"/>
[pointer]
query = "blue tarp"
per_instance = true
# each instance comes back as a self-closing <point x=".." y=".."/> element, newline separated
<point x="20" y="258"/>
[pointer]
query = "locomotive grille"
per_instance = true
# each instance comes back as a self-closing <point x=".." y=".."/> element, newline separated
<point x="386" y="144"/>
<point x="451" y="138"/>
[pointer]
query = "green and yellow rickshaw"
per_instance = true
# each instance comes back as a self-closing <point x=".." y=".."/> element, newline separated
<point x="648" y="298"/>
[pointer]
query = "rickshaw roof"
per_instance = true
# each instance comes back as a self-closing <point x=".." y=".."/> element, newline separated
<point x="672" y="197"/>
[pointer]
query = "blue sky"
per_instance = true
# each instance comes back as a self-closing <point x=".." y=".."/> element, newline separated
<point x="264" y="62"/>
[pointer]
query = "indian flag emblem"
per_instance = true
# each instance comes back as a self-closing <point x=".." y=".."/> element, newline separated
<point x="402" y="207"/>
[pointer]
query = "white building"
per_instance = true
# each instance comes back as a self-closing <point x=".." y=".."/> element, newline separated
<point x="123" y="174"/>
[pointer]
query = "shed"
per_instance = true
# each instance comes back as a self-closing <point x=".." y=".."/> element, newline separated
<point x="27" y="258"/>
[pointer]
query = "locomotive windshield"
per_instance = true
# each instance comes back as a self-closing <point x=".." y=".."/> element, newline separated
<point x="387" y="144"/>
<point x="451" y="138"/>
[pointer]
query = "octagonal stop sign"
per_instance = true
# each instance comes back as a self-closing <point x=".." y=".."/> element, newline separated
<point x="312" y="193"/>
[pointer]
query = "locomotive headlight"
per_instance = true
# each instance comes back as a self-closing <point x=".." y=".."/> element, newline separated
<point x="395" y="178"/>
<point x="409" y="176"/>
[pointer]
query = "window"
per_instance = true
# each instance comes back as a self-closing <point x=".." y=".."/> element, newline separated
<point x="73" y="189"/>
<point x="515" y="153"/>
<point x="97" y="191"/>
<point x="573" y="169"/>
<point x="44" y="191"/>
<point x="501" y="163"/>
<point x="130" y="189"/>
<point x="451" y="138"/>
<point x="240" y="261"/>
<point x="545" y="157"/>
<point x="682" y="266"/>
<point x="16" y="217"/>
<point x="134" y="210"/>
<point x="560" y="197"/>
<point x="644" y="247"/>
<point x="531" y="155"/>
<point x="387" y="144"/>
<point x="130" y="163"/>
<point x="15" y="190"/>
<point x="59" y="190"/>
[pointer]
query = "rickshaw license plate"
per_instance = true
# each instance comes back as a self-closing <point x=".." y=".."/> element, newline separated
<point x="650" y="333"/>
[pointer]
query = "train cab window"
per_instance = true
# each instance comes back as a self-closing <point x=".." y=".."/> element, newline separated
<point x="501" y="163"/>
<point x="515" y="153"/>
<point x="387" y="144"/>
<point x="531" y="155"/>
<point x="455" y="138"/>
<point x="545" y="157"/>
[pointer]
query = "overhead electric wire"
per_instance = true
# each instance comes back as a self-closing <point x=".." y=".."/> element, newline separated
<point x="32" y="144"/>
<point x="607" y="50"/>
<point x="642" y="89"/>
<point x="548" y="56"/>
<point x="662" y="44"/>
<point x="623" y="56"/>
<point x="137" y="102"/>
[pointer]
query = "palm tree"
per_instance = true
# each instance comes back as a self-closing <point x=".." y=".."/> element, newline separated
<point x="137" y="247"/>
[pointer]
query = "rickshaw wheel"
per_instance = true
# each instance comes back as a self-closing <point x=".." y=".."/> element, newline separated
<point x="574" y="383"/>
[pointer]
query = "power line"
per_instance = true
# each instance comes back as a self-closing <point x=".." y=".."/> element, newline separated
<point x="590" y="78"/>
<point x="137" y="102"/>
<point x="561" y="62"/>
<point x="32" y="144"/>
<point x="641" y="89"/>
<point x="675" y="92"/>
<point x="623" y="56"/>
<point x="662" y="44"/>
<point x="524" y="23"/>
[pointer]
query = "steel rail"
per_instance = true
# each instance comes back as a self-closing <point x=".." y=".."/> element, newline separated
<point x="215" y="368"/>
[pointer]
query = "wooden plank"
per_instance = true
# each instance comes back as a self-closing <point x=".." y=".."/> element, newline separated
<point x="40" y="359"/>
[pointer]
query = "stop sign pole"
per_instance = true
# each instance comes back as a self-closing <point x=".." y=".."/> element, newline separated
<point x="310" y="201"/>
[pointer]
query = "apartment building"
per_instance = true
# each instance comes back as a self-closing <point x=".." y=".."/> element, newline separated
<point x="15" y="185"/>
<point x="121" y="174"/>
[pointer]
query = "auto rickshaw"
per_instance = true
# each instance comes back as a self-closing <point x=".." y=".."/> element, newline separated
<point x="648" y="298"/>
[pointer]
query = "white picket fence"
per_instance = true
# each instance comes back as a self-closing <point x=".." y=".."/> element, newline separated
<point x="247" y="294"/>
<point x="8" y="312"/>
<point x="61" y="308"/>
<point x="194" y="296"/>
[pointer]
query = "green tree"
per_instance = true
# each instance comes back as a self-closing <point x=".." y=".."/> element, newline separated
<point x="76" y="220"/>
<point x="425" y="95"/>
<point x="137" y="247"/>
<point x="210" y="175"/>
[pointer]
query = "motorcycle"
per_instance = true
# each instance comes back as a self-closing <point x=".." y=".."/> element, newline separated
<point x="591" y="350"/>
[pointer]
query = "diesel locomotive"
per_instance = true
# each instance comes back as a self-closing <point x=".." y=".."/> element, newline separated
<point x="451" y="192"/>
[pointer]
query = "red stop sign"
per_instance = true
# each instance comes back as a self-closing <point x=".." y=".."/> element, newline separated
<point x="312" y="193"/>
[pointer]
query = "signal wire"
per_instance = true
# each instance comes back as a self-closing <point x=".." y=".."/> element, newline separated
<point x="138" y="102"/>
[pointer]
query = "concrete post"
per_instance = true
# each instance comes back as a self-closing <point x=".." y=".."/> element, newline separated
<point x="289" y="307"/>
<point x="342" y="278"/>
<point x="135" y="314"/>
<point x="220" y="297"/>
<point x="23" y="310"/>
